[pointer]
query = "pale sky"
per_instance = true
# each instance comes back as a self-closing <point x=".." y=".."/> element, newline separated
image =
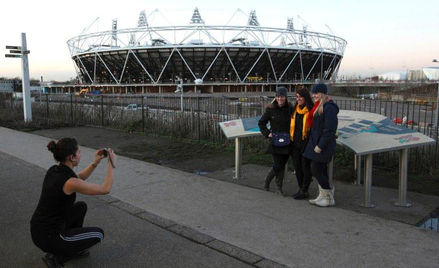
<point x="382" y="35"/>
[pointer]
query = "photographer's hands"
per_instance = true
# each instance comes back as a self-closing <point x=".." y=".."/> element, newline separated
<point x="79" y="185"/>
<point x="111" y="157"/>
<point x="98" y="156"/>
<point x="105" y="153"/>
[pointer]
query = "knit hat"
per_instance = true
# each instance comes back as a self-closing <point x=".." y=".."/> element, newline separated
<point x="281" y="91"/>
<point x="320" y="88"/>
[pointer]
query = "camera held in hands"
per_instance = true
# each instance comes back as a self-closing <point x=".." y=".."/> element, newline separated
<point x="105" y="154"/>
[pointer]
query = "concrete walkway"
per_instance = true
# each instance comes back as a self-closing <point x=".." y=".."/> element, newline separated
<point x="295" y="234"/>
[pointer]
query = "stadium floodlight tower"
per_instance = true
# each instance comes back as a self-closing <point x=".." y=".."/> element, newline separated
<point x="231" y="55"/>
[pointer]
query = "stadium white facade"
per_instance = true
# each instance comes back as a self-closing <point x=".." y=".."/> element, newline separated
<point x="432" y="73"/>
<point x="217" y="54"/>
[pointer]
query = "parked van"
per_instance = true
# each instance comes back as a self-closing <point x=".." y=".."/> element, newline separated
<point x="131" y="107"/>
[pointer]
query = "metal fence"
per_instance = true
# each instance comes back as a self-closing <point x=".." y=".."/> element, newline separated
<point x="196" y="117"/>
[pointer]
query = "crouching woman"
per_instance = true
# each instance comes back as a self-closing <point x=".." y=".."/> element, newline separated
<point x="57" y="223"/>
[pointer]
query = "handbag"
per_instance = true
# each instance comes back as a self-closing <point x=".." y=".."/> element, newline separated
<point x="281" y="139"/>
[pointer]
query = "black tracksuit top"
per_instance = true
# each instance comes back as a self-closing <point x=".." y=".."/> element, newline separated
<point x="50" y="214"/>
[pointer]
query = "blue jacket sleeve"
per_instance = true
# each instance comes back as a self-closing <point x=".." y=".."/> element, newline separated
<point x="330" y="126"/>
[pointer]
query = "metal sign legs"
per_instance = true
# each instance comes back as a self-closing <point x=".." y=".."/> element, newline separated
<point x="238" y="158"/>
<point x="403" y="168"/>
<point x="368" y="183"/>
<point x="402" y="192"/>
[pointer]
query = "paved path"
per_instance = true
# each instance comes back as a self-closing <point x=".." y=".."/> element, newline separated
<point x="295" y="234"/>
<point x="130" y="240"/>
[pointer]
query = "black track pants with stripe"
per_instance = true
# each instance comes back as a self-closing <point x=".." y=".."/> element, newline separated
<point x="73" y="239"/>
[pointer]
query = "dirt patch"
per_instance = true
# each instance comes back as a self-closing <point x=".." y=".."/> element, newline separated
<point x="208" y="159"/>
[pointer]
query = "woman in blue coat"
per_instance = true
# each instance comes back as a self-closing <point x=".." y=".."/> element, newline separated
<point x="321" y="145"/>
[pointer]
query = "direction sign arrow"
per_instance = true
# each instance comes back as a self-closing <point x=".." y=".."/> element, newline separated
<point x="15" y="51"/>
<point x="13" y="47"/>
<point x="12" y="56"/>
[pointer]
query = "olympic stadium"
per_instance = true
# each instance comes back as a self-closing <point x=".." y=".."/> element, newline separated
<point x="207" y="58"/>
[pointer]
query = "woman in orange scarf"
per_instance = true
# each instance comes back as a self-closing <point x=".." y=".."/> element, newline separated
<point x="301" y="121"/>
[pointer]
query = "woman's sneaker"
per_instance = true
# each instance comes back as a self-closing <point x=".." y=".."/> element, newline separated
<point x="66" y="258"/>
<point x="51" y="262"/>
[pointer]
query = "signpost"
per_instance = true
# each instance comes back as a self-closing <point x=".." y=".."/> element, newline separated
<point x="22" y="52"/>
<point x="12" y="56"/>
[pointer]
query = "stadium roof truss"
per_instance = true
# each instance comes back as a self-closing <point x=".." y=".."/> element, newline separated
<point x="218" y="54"/>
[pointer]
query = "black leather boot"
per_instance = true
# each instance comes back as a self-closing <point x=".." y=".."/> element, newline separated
<point x="268" y="179"/>
<point x="279" y="191"/>
<point x="302" y="194"/>
<point x="279" y="182"/>
<point x="294" y="195"/>
<point x="299" y="182"/>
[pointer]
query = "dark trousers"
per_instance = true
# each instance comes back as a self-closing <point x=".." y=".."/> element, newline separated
<point x="72" y="239"/>
<point x="279" y="162"/>
<point x="302" y="166"/>
<point x="320" y="171"/>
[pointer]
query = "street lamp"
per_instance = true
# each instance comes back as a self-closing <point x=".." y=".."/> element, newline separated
<point x="437" y="106"/>
<point x="198" y="82"/>
<point x="180" y="89"/>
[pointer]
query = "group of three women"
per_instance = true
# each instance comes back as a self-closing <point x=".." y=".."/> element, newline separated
<point x="307" y="133"/>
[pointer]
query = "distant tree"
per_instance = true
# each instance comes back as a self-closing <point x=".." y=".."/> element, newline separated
<point x="34" y="82"/>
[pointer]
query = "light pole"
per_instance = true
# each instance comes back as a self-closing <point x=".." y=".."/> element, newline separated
<point x="437" y="106"/>
<point x="180" y="89"/>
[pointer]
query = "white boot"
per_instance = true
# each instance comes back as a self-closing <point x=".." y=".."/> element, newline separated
<point x="328" y="200"/>
<point x="319" y="197"/>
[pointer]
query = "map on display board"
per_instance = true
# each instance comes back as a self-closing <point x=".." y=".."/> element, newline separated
<point x="245" y="127"/>
<point x="367" y="133"/>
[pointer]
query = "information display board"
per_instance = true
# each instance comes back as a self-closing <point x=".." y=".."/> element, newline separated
<point x="369" y="133"/>
<point x="362" y="132"/>
<point x="239" y="128"/>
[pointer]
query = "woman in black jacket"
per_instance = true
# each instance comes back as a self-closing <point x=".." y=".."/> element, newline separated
<point x="321" y="145"/>
<point x="277" y="114"/>
<point x="301" y="121"/>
